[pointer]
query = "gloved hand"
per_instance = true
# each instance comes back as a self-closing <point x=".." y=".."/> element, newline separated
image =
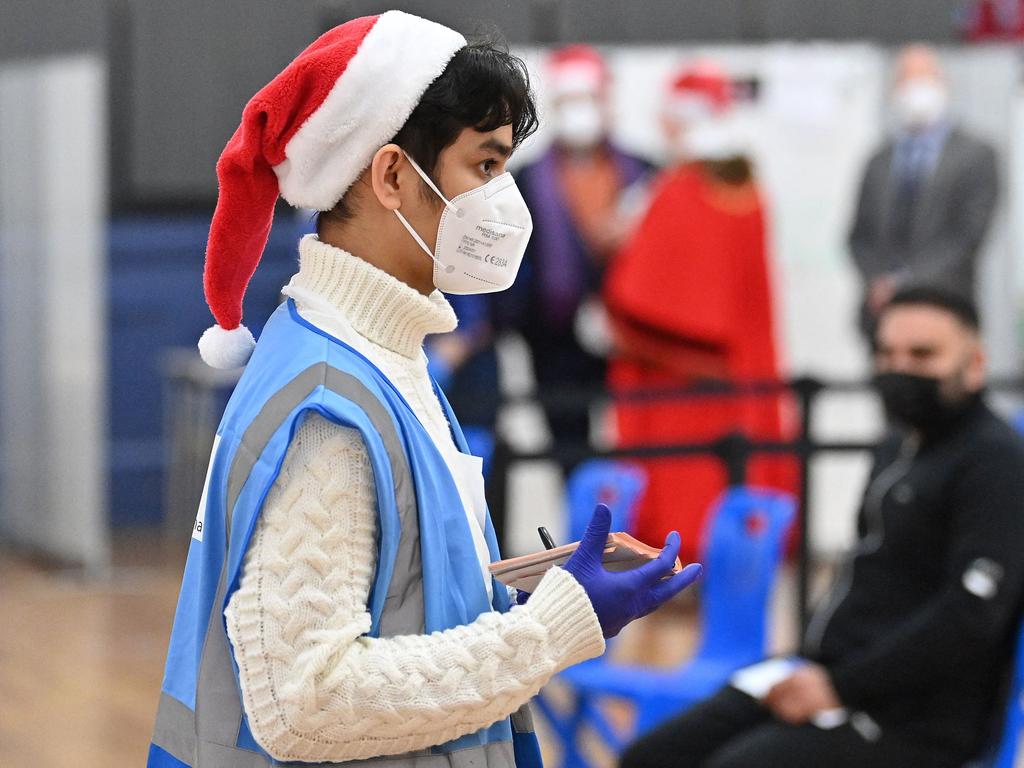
<point x="522" y="597"/>
<point x="619" y="598"/>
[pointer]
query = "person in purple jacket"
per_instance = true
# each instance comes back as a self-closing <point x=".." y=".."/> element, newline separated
<point x="574" y="190"/>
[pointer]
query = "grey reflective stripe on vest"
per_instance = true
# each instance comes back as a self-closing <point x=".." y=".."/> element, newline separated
<point x="403" y="612"/>
<point x="205" y="740"/>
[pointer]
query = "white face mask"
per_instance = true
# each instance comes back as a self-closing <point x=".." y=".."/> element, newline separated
<point x="481" y="237"/>
<point x="578" y="124"/>
<point x="920" y="103"/>
<point x="713" y="138"/>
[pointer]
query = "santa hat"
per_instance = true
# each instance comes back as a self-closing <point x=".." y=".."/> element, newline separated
<point x="576" y="69"/>
<point x="306" y="136"/>
<point x="699" y="90"/>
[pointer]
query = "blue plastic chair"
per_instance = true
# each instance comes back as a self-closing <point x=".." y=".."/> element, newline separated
<point x="614" y="483"/>
<point x="742" y="549"/>
<point x="1018" y="421"/>
<point x="1013" y="724"/>
<point x="617" y="484"/>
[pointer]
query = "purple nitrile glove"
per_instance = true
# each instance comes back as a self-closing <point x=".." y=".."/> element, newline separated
<point x="618" y="598"/>
<point x="522" y="597"/>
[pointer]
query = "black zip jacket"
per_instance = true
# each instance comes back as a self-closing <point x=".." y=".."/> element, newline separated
<point x="918" y="632"/>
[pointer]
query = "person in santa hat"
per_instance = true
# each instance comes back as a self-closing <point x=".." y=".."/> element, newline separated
<point x="689" y="299"/>
<point x="336" y="604"/>
<point x="574" y="190"/>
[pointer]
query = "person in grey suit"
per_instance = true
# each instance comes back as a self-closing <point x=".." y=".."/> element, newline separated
<point x="927" y="196"/>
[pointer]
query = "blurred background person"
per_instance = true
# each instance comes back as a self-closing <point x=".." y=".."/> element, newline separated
<point x="927" y="195"/>
<point x="574" y="191"/>
<point x="465" y="365"/>
<point x="904" y="663"/>
<point x="690" y="300"/>
<point x="994" y="20"/>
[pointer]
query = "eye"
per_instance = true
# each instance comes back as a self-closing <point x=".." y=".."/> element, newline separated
<point x="488" y="166"/>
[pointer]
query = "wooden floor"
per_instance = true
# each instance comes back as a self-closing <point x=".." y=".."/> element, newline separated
<point x="81" y="663"/>
<point x="81" y="660"/>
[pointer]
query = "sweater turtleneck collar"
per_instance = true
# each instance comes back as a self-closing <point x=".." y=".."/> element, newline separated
<point x="376" y="304"/>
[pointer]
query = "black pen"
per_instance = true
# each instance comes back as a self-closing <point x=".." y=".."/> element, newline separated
<point x="545" y="537"/>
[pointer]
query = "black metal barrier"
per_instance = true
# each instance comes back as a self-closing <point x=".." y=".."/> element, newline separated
<point x="733" y="450"/>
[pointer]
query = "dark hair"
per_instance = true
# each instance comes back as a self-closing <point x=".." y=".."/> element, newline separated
<point x="958" y="305"/>
<point x="733" y="170"/>
<point x="483" y="87"/>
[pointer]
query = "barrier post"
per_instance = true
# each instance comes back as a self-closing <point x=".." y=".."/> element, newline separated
<point x="806" y="390"/>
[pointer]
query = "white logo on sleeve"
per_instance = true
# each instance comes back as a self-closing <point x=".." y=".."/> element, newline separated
<point x="982" y="578"/>
<point x="197" y="529"/>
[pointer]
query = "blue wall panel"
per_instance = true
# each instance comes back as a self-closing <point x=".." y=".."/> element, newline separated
<point x="156" y="302"/>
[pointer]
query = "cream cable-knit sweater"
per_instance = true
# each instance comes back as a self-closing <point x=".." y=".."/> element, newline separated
<point x="314" y="687"/>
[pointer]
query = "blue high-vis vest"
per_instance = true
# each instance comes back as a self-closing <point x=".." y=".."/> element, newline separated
<point x="427" y="571"/>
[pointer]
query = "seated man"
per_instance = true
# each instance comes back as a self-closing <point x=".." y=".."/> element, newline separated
<point x="904" y="663"/>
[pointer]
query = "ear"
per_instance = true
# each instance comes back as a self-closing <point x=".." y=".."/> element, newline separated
<point x="976" y="368"/>
<point x="385" y="176"/>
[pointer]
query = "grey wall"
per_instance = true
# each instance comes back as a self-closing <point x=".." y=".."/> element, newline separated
<point x="181" y="70"/>
<point x="668" y="21"/>
<point x="32" y="28"/>
<point x="192" y="65"/>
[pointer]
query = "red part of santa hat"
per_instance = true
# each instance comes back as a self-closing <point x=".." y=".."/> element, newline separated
<point x="576" y="69"/>
<point x="306" y="136"/>
<point x="706" y="81"/>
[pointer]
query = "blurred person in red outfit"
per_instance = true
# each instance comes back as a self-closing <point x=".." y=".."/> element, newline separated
<point x="690" y="300"/>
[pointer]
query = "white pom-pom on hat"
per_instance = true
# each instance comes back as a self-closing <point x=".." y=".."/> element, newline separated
<point x="225" y="349"/>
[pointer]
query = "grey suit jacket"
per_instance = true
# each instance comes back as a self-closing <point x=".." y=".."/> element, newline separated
<point x="951" y="216"/>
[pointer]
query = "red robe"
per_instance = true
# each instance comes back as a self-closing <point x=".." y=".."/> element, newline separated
<point x="689" y="296"/>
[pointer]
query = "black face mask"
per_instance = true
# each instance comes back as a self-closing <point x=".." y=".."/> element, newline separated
<point x="917" y="401"/>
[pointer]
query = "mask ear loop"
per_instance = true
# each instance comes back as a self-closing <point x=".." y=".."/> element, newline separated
<point x="448" y="204"/>
<point x="423" y="245"/>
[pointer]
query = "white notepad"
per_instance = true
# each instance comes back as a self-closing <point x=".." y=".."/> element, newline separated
<point x="621" y="553"/>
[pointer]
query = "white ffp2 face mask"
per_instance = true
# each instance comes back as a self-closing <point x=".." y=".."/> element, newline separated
<point x="921" y="103"/>
<point x="714" y="138"/>
<point x="578" y="124"/>
<point x="481" y="237"/>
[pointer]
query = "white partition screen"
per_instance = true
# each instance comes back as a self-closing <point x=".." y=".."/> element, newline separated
<point x="53" y="213"/>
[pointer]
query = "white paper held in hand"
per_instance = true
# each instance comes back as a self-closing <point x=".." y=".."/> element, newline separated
<point x="621" y="553"/>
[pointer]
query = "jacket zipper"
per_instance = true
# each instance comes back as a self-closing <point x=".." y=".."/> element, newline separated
<point x="871" y="543"/>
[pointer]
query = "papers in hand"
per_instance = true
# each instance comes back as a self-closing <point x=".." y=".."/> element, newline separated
<point x="757" y="679"/>
<point x="621" y="553"/>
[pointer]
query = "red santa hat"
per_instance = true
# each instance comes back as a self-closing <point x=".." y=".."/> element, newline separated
<point x="306" y="136"/>
<point x="699" y="89"/>
<point x="576" y="69"/>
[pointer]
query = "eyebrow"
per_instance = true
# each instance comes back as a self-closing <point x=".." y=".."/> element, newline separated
<point x="493" y="144"/>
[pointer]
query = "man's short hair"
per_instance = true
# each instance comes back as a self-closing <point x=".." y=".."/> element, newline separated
<point x="958" y="305"/>
<point x="483" y="87"/>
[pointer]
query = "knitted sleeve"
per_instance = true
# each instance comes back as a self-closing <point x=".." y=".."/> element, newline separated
<point x="314" y="687"/>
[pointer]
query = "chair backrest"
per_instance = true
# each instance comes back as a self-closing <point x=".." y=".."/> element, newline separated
<point x="1018" y="421"/>
<point x="615" y="483"/>
<point x="1013" y="725"/>
<point x="742" y="547"/>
